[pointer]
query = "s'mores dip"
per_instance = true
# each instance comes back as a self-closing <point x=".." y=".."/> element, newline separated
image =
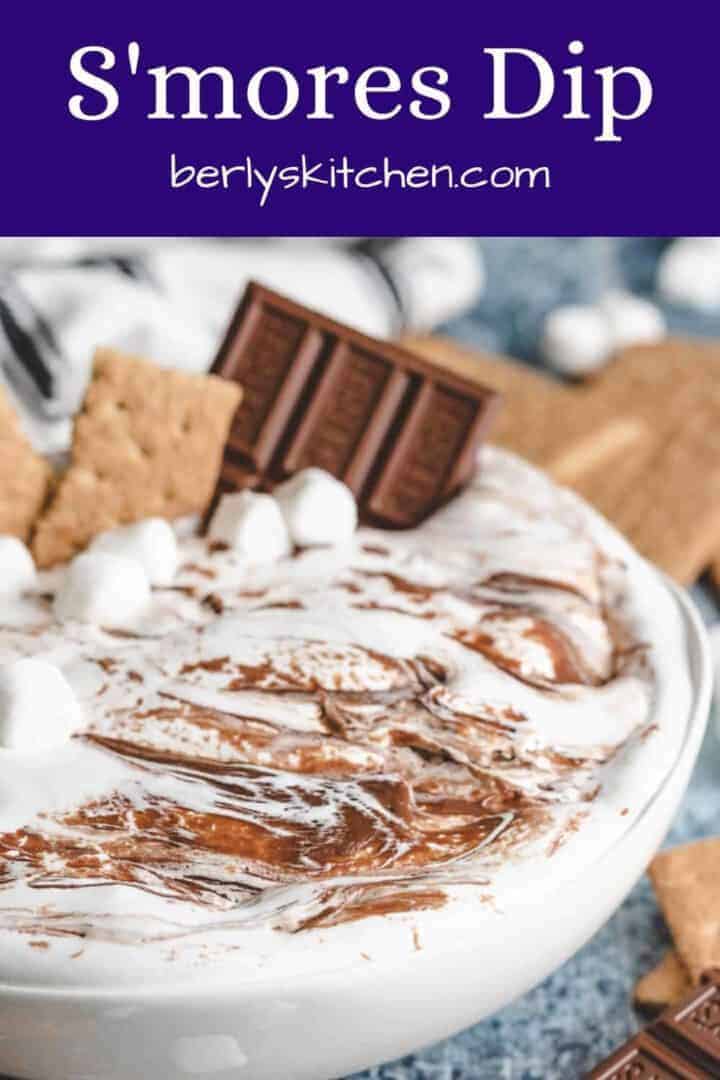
<point x="260" y="735"/>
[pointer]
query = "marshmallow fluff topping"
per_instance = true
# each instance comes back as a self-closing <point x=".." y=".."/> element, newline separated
<point x="366" y="729"/>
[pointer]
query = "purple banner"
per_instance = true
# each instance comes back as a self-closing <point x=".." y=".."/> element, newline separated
<point x="284" y="119"/>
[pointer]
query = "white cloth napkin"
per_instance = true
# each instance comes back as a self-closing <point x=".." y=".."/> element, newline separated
<point x="170" y="300"/>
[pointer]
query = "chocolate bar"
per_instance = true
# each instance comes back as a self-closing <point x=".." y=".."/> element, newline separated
<point x="683" y="1044"/>
<point x="401" y="432"/>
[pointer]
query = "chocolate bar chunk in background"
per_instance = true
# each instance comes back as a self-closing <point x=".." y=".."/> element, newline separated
<point x="400" y="431"/>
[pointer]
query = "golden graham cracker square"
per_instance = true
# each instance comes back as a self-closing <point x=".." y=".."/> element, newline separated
<point x="148" y="441"/>
<point x="666" y="984"/>
<point x="686" y="880"/>
<point x="24" y="476"/>
<point x="640" y="440"/>
<point x="530" y="420"/>
<point x="664" y="491"/>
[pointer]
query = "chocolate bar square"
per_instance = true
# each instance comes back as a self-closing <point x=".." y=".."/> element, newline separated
<point x="400" y="431"/>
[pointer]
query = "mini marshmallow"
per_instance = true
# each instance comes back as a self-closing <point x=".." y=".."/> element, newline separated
<point x="632" y="320"/>
<point x="38" y="708"/>
<point x="152" y="543"/>
<point x="689" y="273"/>
<point x="576" y="339"/>
<point x="318" y="509"/>
<point x="252" y="525"/>
<point x="107" y="590"/>
<point x="17" y="568"/>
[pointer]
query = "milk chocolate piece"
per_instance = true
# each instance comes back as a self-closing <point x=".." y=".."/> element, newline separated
<point x="642" y="1058"/>
<point x="399" y="430"/>
<point x="693" y="1027"/>
<point x="684" y="1043"/>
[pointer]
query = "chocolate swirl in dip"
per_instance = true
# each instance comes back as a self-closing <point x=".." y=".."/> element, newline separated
<point x="349" y="732"/>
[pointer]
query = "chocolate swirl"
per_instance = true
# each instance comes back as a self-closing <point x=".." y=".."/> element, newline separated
<point x="345" y="733"/>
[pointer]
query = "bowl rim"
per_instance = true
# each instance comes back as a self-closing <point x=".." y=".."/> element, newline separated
<point x="701" y="680"/>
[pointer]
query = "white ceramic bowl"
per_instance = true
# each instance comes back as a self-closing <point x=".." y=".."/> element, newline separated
<point x="346" y="1015"/>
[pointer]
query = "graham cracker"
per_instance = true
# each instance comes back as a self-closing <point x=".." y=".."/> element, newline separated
<point x="532" y="402"/>
<point x="640" y="441"/>
<point x="714" y="569"/>
<point x="666" y="984"/>
<point x="686" y="880"/>
<point x="24" y="476"/>
<point x="148" y="441"/>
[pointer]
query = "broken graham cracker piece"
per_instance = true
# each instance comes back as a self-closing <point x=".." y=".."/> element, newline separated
<point x="665" y="496"/>
<point x="670" y="507"/>
<point x="533" y="403"/>
<point x="666" y="984"/>
<point x="641" y="441"/>
<point x="686" y="880"/>
<point x="147" y="442"/>
<point x="25" y="476"/>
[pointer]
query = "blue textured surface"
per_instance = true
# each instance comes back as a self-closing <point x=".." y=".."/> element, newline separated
<point x="578" y="1015"/>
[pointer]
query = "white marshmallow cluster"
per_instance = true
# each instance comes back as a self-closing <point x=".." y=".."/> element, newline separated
<point x="577" y="339"/>
<point x="17" y="568"/>
<point x="38" y="708"/>
<point x="318" y="509"/>
<point x="152" y="543"/>
<point x="110" y="584"/>
<point x="312" y="509"/>
<point x="108" y="590"/>
<point x="689" y="272"/>
<point x="252" y="525"/>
